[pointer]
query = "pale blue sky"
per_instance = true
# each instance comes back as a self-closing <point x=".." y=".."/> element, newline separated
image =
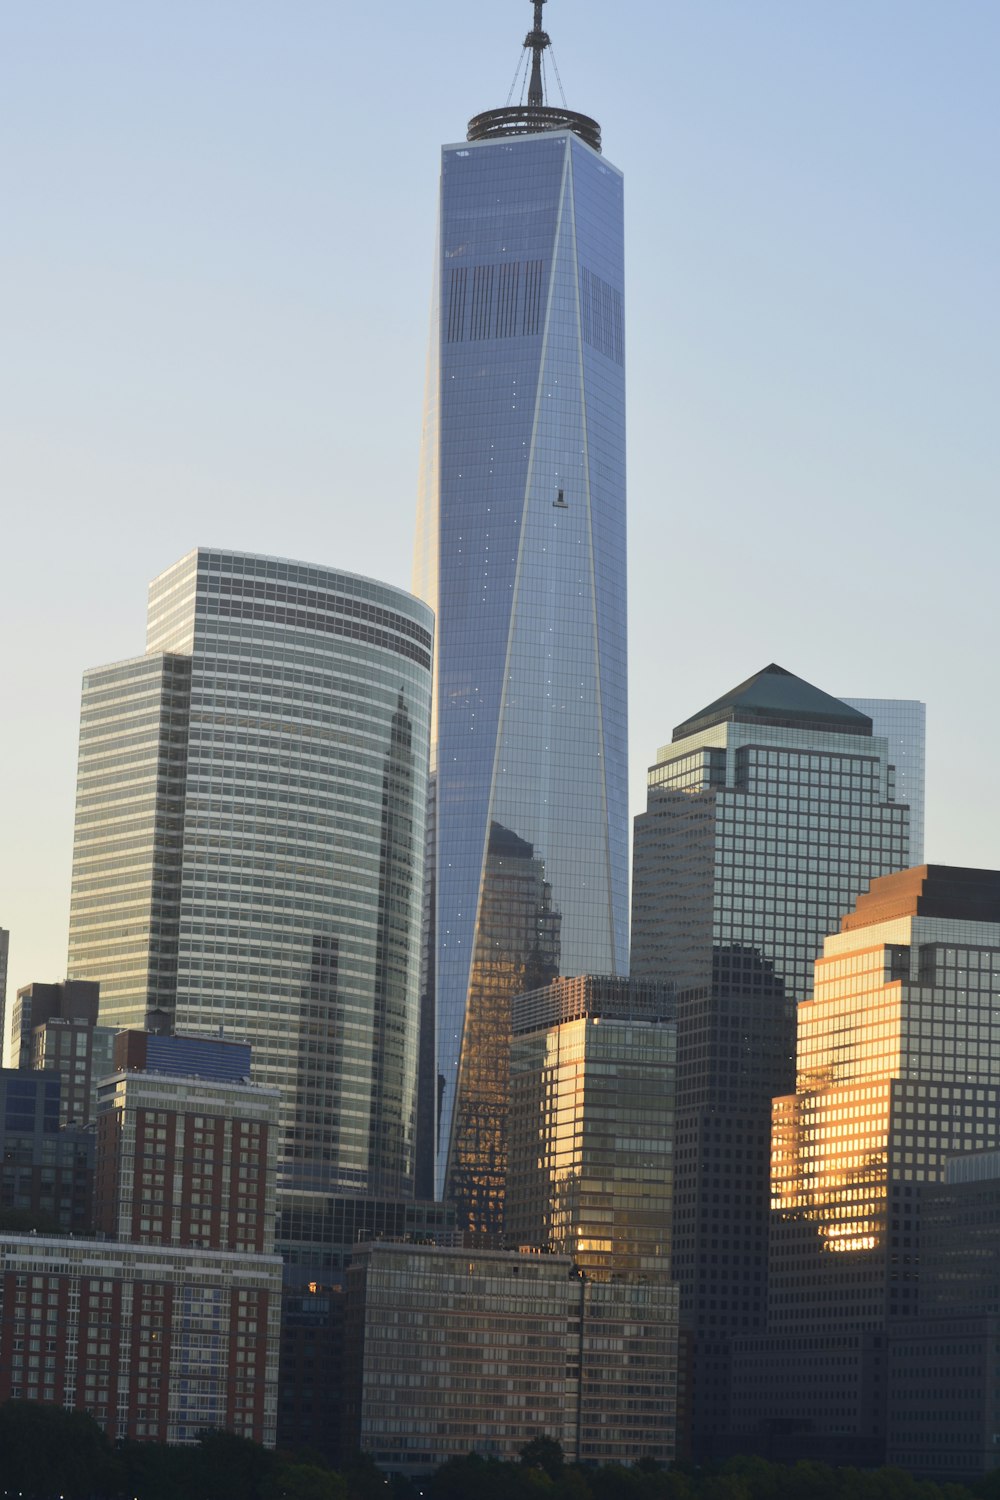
<point x="216" y="247"/>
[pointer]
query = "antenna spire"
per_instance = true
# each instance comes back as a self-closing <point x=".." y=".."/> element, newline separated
<point x="537" y="39"/>
<point x="536" y="117"/>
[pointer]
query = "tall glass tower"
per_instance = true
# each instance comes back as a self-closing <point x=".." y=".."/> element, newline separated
<point x="521" y="551"/>
<point x="249" y="845"/>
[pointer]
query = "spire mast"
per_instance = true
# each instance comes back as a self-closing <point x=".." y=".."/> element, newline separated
<point x="537" y="39"/>
<point x="534" y="117"/>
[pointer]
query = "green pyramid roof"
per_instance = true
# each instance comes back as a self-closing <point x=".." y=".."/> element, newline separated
<point x="777" y="697"/>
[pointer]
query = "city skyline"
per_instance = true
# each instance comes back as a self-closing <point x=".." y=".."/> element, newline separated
<point x="894" y="298"/>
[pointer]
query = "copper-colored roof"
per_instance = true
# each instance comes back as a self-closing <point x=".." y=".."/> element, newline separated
<point x="950" y="891"/>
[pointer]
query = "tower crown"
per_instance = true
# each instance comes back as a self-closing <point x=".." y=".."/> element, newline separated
<point x="535" y="117"/>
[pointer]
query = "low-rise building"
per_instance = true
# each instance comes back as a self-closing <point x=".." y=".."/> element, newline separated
<point x="155" y="1343"/>
<point x="452" y="1351"/>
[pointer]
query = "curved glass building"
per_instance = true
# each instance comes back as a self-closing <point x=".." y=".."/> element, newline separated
<point x="521" y="551"/>
<point x="249" y="845"/>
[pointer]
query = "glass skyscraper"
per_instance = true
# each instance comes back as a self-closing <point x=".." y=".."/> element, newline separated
<point x="250" y="841"/>
<point x="521" y="551"/>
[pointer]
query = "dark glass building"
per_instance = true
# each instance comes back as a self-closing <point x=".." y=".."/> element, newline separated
<point x="46" y="1173"/>
<point x="521" y="552"/>
<point x="946" y="1427"/>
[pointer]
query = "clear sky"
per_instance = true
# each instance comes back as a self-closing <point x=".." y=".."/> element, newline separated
<point x="216" y="247"/>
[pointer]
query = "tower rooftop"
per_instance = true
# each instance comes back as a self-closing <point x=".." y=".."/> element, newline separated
<point x="535" y="117"/>
<point x="955" y="892"/>
<point x="777" y="697"/>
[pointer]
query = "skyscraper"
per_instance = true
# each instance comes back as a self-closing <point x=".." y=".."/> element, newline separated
<point x="521" y="551"/>
<point x="897" y="1068"/>
<point x="768" y="814"/>
<point x="592" y="1095"/>
<point x="249" y="845"/>
<point x="903" y="723"/>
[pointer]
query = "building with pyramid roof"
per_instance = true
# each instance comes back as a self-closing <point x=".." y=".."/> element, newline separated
<point x="769" y="813"/>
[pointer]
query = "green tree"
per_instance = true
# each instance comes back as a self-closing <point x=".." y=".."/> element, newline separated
<point x="310" y="1481"/>
<point x="46" y="1450"/>
<point x="543" y="1452"/>
<point x="228" y="1467"/>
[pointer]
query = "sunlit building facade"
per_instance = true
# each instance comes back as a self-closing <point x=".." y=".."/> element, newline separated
<point x="592" y="1100"/>
<point x="898" y="1067"/>
<point x="517" y="948"/>
<point x="521" y="552"/>
<point x="249" y="845"/>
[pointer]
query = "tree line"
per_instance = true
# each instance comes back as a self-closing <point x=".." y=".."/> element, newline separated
<point x="48" y="1453"/>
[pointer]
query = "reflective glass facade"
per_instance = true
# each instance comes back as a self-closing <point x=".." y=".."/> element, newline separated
<point x="249" y="844"/>
<point x="898" y="1063"/>
<point x="897" y="1066"/>
<point x="521" y="550"/>
<point x="592" y="1098"/>
<point x="902" y="723"/>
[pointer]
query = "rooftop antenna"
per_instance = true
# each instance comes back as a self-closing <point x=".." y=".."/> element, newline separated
<point x="537" y="39"/>
<point x="534" y="117"/>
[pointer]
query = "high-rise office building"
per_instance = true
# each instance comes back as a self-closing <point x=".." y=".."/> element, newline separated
<point x="897" y="1066"/>
<point x="592" y="1094"/>
<point x="249" y="845"/>
<point x="902" y="722"/>
<point x="768" y="814"/>
<point x="521" y="551"/>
